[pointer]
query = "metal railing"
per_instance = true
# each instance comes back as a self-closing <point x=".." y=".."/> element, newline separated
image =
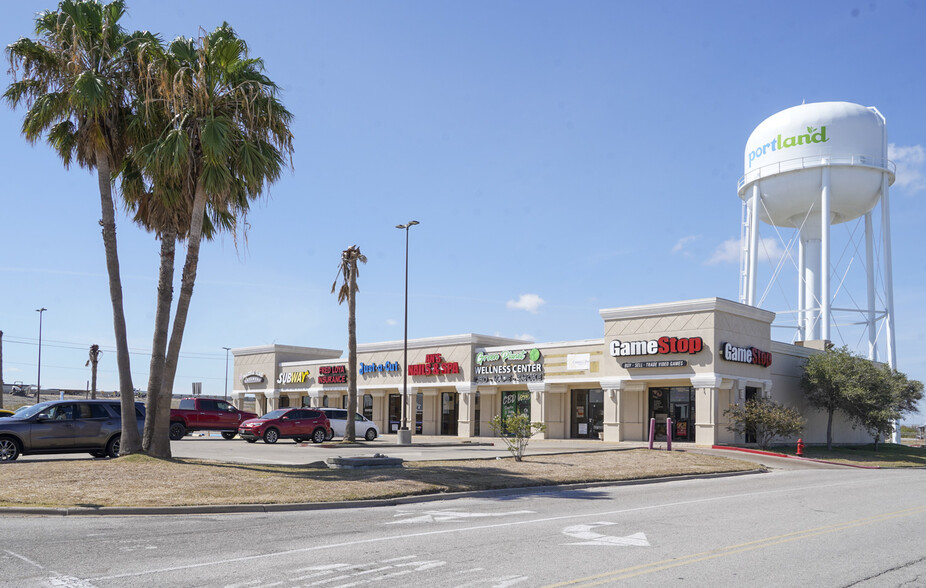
<point x="814" y="161"/>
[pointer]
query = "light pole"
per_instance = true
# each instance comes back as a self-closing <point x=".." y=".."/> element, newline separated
<point x="405" y="435"/>
<point x="227" y="349"/>
<point x="38" y="378"/>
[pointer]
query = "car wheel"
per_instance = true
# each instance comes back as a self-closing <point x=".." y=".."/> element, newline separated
<point x="251" y="440"/>
<point x="330" y="435"/>
<point x="177" y="431"/>
<point x="228" y="435"/>
<point x="112" y="448"/>
<point x="319" y="436"/>
<point x="9" y="449"/>
<point x="370" y="434"/>
<point x="271" y="436"/>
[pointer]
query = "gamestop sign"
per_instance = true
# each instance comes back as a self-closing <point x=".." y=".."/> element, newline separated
<point x="660" y="346"/>
<point x="751" y="355"/>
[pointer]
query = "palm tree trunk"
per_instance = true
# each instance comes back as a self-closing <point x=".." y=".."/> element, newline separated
<point x="1" y="369"/>
<point x="162" y="441"/>
<point x="350" y="428"/>
<point x="159" y="343"/>
<point x="131" y="440"/>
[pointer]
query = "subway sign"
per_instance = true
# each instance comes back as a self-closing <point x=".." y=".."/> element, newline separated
<point x="731" y="352"/>
<point x="293" y="377"/>
<point x="660" y="346"/>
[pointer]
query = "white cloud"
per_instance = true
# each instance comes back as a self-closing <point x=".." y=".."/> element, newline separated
<point x="911" y="167"/>
<point x="529" y="302"/>
<point x="683" y="244"/>
<point x="770" y="250"/>
<point x="392" y="322"/>
<point x="524" y="337"/>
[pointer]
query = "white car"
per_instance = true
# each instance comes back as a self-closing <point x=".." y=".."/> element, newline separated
<point x="363" y="427"/>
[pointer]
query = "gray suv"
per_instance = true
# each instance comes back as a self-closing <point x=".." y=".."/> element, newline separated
<point x="66" y="426"/>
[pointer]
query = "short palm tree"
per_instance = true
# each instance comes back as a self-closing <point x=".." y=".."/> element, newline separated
<point x="72" y="81"/>
<point x="347" y="273"/>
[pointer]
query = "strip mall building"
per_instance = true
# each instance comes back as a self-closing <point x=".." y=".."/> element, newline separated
<point x="682" y="361"/>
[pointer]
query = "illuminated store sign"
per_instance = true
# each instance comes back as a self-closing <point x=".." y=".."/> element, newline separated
<point x="434" y="366"/>
<point x="369" y="368"/>
<point x="499" y="367"/>
<point x="731" y="352"/>
<point x="332" y="374"/>
<point x="253" y="378"/>
<point x="661" y="346"/>
<point x="293" y="377"/>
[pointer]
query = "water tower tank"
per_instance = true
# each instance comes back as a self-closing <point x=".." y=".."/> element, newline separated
<point x="810" y="167"/>
<point x="786" y="156"/>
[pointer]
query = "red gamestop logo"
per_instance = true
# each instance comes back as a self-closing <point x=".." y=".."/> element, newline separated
<point x="660" y="346"/>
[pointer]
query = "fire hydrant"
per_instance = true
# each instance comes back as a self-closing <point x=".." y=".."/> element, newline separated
<point x="800" y="447"/>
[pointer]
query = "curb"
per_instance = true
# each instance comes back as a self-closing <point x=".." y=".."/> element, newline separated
<point x="306" y="506"/>
<point x="773" y="454"/>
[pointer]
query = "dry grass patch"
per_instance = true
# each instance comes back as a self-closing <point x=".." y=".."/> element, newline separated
<point x="142" y="481"/>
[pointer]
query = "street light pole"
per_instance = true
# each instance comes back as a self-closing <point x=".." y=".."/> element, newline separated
<point x="38" y="379"/>
<point x="227" y="349"/>
<point x="405" y="435"/>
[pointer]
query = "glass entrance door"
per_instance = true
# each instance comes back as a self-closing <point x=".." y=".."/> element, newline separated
<point x="587" y="414"/>
<point x="678" y="404"/>
<point x="449" y="419"/>
<point x="395" y="412"/>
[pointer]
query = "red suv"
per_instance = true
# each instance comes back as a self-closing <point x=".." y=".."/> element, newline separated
<point x="287" y="423"/>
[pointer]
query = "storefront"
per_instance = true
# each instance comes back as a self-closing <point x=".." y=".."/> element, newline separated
<point x="681" y="362"/>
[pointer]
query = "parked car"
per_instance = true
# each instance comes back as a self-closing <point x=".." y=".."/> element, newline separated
<point x="363" y="427"/>
<point x="5" y="413"/>
<point x="206" y="414"/>
<point x="66" y="426"/>
<point x="298" y="424"/>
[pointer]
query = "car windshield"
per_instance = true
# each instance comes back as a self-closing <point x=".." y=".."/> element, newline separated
<point x="274" y="414"/>
<point x="31" y="411"/>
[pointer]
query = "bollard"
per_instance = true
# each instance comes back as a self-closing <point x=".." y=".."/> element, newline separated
<point x="668" y="434"/>
<point x="652" y="432"/>
<point x="800" y="448"/>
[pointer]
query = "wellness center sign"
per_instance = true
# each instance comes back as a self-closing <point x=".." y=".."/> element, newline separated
<point x="508" y="367"/>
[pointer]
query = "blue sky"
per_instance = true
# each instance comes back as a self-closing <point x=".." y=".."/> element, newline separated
<point x="561" y="157"/>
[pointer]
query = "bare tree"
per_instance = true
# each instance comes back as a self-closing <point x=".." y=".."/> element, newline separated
<point x="93" y="362"/>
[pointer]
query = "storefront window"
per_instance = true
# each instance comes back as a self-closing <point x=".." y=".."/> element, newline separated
<point x="368" y="406"/>
<point x="514" y="402"/>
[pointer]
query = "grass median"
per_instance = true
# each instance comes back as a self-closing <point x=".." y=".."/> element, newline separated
<point x="138" y="480"/>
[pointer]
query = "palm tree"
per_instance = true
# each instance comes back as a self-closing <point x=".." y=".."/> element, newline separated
<point x="226" y="140"/>
<point x="72" y="84"/>
<point x="348" y="273"/>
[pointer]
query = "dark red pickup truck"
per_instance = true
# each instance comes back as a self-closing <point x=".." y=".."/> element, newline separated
<point x="206" y="414"/>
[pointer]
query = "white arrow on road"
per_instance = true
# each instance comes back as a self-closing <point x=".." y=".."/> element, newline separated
<point x="443" y="516"/>
<point x="590" y="537"/>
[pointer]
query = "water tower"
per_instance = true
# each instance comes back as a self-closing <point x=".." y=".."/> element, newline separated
<point x="808" y="168"/>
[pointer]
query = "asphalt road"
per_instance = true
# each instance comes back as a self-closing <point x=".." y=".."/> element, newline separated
<point x="800" y="527"/>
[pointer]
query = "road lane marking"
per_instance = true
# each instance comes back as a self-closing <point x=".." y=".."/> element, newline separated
<point x="406" y="536"/>
<point x="591" y="537"/>
<point x="658" y="566"/>
<point x="443" y="516"/>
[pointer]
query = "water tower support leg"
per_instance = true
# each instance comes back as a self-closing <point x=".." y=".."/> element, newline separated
<point x="825" y="254"/>
<point x="870" y="278"/>
<point x="801" y="293"/>
<point x="753" y="245"/>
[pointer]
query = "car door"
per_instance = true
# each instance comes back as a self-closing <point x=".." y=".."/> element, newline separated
<point x="93" y="425"/>
<point x="53" y="429"/>
<point x="291" y="424"/>
<point x="208" y="415"/>
<point x="227" y="415"/>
